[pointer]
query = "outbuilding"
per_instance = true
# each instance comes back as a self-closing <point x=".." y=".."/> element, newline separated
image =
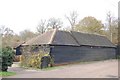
<point x="73" y="46"/>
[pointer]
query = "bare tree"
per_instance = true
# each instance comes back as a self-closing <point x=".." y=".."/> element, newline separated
<point x="6" y="36"/>
<point x="26" y="35"/>
<point x="109" y="19"/>
<point x="42" y="26"/>
<point x="72" y="18"/>
<point x="54" y="23"/>
<point x="5" y="31"/>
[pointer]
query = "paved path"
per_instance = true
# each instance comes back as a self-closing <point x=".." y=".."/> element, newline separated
<point x="98" y="69"/>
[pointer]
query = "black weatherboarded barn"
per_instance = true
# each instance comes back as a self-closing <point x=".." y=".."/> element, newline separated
<point x="74" y="46"/>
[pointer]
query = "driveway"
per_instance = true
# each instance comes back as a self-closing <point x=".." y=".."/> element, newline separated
<point x="95" y="69"/>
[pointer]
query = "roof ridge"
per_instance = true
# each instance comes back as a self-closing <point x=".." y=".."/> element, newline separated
<point x="53" y="35"/>
<point x="74" y="37"/>
<point x="96" y="34"/>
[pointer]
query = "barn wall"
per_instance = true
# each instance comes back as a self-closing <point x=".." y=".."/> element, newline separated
<point x="18" y="51"/>
<point x="70" y="54"/>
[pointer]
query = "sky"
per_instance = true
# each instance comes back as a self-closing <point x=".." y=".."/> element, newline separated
<point x="19" y="15"/>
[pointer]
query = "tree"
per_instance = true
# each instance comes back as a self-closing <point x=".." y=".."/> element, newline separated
<point x="112" y="28"/>
<point x="6" y="35"/>
<point x="119" y="32"/>
<point x="112" y="31"/>
<point x="54" y="23"/>
<point x="118" y="45"/>
<point x="91" y="25"/>
<point x="42" y="26"/>
<point x="5" y="31"/>
<point x="6" y="58"/>
<point x="26" y="35"/>
<point x="72" y="18"/>
<point x="109" y="19"/>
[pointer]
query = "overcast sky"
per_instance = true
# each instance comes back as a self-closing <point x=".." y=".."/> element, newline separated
<point x="26" y="14"/>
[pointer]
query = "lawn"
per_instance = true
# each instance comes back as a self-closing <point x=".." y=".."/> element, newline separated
<point x="52" y="68"/>
<point x="4" y="74"/>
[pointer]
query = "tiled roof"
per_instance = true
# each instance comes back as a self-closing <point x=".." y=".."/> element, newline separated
<point x="58" y="37"/>
<point x="91" y="39"/>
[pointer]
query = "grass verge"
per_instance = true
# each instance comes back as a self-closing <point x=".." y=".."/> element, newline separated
<point x="4" y="74"/>
<point x="52" y="68"/>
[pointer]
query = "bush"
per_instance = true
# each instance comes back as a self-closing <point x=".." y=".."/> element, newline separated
<point x="30" y="60"/>
<point x="6" y="58"/>
<point x="33" y="60"/>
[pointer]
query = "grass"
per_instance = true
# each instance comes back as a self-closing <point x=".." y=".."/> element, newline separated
<point x="52" y="68"/>
<point x="4" y="74"/>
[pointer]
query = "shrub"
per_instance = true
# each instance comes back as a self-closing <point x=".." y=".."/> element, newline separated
<point x="33" y="60"/>
<point x="6" y="58"/>
<point x="32" y="56"/>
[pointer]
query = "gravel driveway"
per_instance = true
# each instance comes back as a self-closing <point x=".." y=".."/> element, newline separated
<point x="96" y="69"/>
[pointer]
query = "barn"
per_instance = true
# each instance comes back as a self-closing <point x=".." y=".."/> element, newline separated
<point x="74" y="46"/>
